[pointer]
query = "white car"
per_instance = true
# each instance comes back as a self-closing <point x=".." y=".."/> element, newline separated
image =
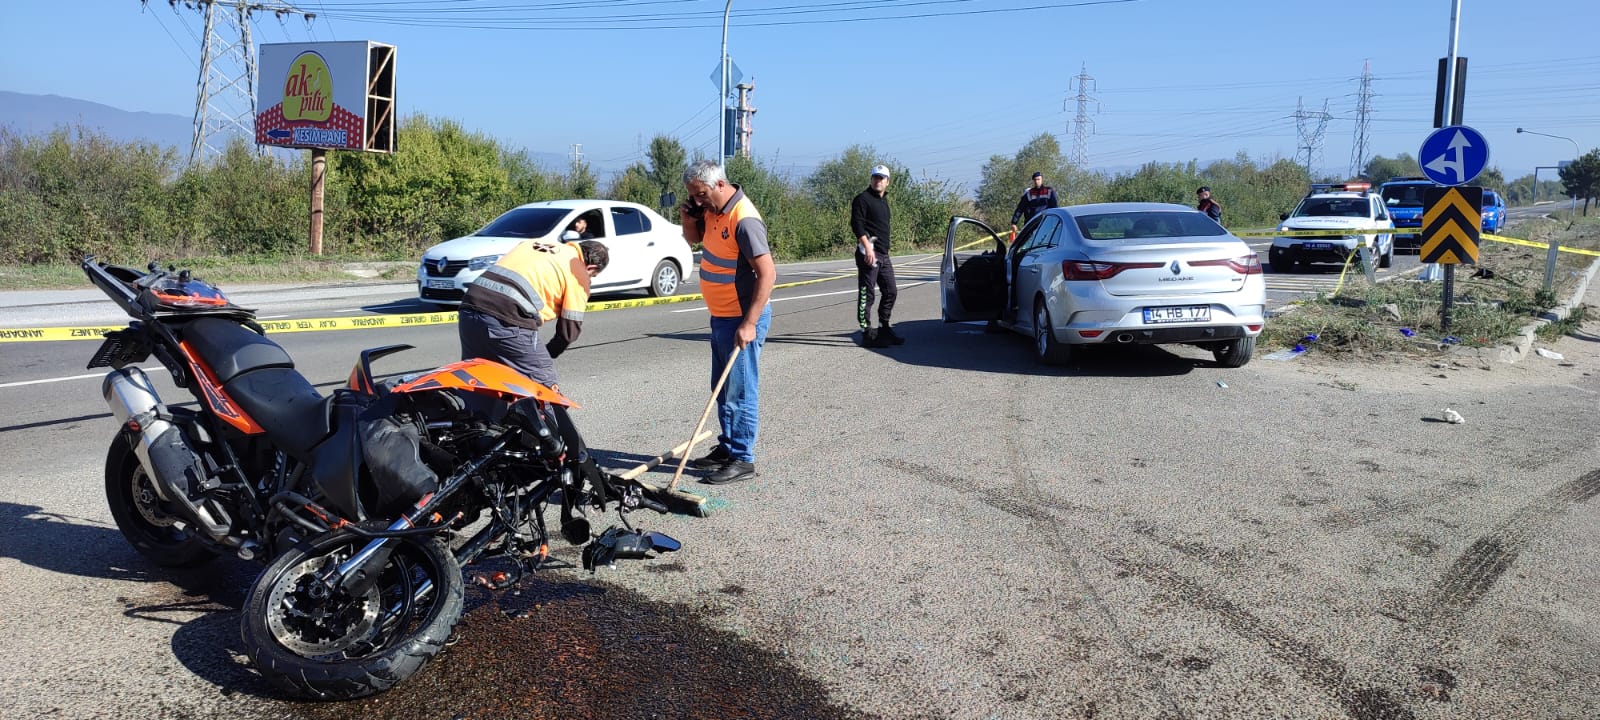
<point x="1334" y="207"/>
<point x="647" y="250"/>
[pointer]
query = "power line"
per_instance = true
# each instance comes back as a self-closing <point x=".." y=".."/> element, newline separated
<point x="691" y="20"/>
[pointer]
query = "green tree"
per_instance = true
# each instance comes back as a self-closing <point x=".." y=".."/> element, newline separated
<point x="633" y="184"/>
<point x="1380" y="169"/>
<point x="443" y="183"/>
<point x="834" y="183"/>
<point x="1581" y="178"/>
<point x="580" y="180"/>
<point x="73" y="192"/>
<point x="667" y="160"/>
<point x="527" y="181"/>
<point x="1005" y="178"/>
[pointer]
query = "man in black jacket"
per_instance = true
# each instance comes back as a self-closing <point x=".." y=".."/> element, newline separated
<point x="1034" y="201"/>
<point x="869" y="222"/>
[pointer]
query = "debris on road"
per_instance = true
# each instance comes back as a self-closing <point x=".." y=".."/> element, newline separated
<point x="1453" y="417"/>
<point x="1553" y="355"/>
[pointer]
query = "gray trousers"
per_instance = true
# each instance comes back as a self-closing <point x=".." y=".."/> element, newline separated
<point x="485" y="336"/>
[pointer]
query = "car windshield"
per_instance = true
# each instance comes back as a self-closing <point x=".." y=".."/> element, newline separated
<point x="524" y="223"/>
<point x="1402" y="195"/>
<point x="1334" y="207"/>
<point x="1135" y="225"/>
<point x="1489" y="198"/>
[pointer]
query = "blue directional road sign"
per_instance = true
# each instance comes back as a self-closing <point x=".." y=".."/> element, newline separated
<point x="1454" y="155"/>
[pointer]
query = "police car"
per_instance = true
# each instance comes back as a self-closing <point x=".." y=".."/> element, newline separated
<point x="1334" y="206"/>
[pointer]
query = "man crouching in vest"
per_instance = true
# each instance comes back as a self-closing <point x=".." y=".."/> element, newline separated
<point x="538" y="281"/>
<point x="736" y="278"/>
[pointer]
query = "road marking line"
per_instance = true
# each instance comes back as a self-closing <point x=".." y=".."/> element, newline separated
<point x="64" y="379"/>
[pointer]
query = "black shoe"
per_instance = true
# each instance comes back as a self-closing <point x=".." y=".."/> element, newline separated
<point x="711" y="460"/>
<point x="731" y="472"/>
<point x="887" y="336"/>
<point x="871" y="338"/>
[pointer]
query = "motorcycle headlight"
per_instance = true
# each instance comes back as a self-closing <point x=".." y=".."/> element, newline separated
<point x="482" y="262"/>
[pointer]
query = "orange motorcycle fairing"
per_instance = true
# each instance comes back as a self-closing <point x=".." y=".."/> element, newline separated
<point x="486" y="377"/>
<point x="216" y="398"/>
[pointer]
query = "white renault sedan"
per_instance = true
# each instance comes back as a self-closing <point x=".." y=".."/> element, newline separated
<point x="1111" y="273"/>
<point x="647" y="250"/>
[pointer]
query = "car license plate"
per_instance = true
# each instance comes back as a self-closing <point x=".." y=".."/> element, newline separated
<point x="1178" y="313"/>
<point x="441" y="285"/>
<point x="1318" y="246"/>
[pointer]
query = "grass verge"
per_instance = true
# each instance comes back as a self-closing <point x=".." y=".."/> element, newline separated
<point x="1492" y="300"/>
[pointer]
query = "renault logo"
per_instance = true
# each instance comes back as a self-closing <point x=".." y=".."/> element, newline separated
<point x="439" y="264"/>
<point x="1174" y="267"/>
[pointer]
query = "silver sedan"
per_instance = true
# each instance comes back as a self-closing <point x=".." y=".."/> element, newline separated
<point x="1111" y="273"/>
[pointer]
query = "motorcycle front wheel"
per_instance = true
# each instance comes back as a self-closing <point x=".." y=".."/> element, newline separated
<point x="335" y="645"/>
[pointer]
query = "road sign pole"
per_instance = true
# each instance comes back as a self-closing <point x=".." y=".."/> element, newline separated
<point x="1449" y="298"/>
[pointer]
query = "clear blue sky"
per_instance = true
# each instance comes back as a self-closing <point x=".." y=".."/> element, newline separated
<point x="940" y="94"/>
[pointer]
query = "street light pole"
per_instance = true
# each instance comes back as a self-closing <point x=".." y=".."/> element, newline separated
<point x="1575" y="153"/>
<point x="722" y="89"/>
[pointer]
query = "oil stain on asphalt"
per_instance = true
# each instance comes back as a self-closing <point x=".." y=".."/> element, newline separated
<point x="559" y="648"/>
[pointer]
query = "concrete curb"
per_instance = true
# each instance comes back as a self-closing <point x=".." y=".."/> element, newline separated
<point x="1523" y="344"/>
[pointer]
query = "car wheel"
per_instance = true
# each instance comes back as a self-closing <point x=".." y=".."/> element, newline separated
<point x="665" y="280"/>
<point x="1279" y="260"/>
<point x="1045" y="346"/>
<point x="1234" y="353"/>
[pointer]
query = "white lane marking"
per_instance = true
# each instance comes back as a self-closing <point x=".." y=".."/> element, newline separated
<point x="271" y="317"/>
<point x="64" y="379"/>
<point x="806" y="297"/>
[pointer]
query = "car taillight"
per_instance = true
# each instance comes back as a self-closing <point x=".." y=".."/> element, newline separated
<point x="1096" y="270"/>
<point x="1244" y="264"/>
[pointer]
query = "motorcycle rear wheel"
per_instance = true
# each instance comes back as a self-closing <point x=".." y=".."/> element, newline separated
<point x="342" y="646"/>
<point x="145" y="520"/>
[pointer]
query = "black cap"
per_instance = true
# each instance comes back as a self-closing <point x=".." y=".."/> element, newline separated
<point x="1203" y="188"/>
<point x="1038" y="175"/>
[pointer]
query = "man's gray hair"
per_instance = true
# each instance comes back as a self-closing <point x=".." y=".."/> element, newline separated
<point x="706" y="171"/>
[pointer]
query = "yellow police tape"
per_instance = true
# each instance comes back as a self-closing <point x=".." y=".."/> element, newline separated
<point x="1397" y="231"/>
<point x="363" y="322"/>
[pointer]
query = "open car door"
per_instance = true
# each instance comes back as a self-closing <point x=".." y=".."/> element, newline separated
<point x="972" y="278"/>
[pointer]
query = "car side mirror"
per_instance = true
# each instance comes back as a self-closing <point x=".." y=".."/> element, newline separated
<point x="571" y="236"/>
<point x="1283" y="216"/>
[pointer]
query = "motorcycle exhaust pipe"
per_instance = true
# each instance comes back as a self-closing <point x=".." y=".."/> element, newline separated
<point x="174" y="468"/>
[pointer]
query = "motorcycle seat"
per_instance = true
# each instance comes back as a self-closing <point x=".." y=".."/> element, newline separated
<point x="260" y="377"/>
<point x="286" y="406"/>
<point x="231" y="349"/>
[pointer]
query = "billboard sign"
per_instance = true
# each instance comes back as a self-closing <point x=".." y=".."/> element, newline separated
<point x="318" y="95"/>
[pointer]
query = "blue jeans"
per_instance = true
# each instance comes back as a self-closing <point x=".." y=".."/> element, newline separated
<point x="738" y="405"/>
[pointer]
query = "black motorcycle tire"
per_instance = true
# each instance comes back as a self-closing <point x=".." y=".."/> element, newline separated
<point x="332" y="676"/>
<point x="164" y="545"/>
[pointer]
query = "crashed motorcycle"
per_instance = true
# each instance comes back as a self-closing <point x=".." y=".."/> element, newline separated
<point x="364" y="504"/>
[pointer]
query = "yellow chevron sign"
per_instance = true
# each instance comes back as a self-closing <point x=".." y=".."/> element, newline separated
<point x="1451" y="224"/>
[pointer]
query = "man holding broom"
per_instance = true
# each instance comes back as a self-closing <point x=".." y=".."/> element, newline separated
<point x="736" y="278"/>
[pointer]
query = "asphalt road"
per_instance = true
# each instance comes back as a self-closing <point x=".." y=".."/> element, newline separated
<point x="940" y="530"/>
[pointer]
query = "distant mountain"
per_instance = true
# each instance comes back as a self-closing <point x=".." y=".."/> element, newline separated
<point x="29" y="114"/>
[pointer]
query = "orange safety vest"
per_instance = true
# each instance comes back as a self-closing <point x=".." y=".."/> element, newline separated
<point x="529" y="285"/>
<point x="719" y="258"/>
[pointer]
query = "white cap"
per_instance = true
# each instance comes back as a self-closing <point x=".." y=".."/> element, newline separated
<point x="880" y="170"/>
